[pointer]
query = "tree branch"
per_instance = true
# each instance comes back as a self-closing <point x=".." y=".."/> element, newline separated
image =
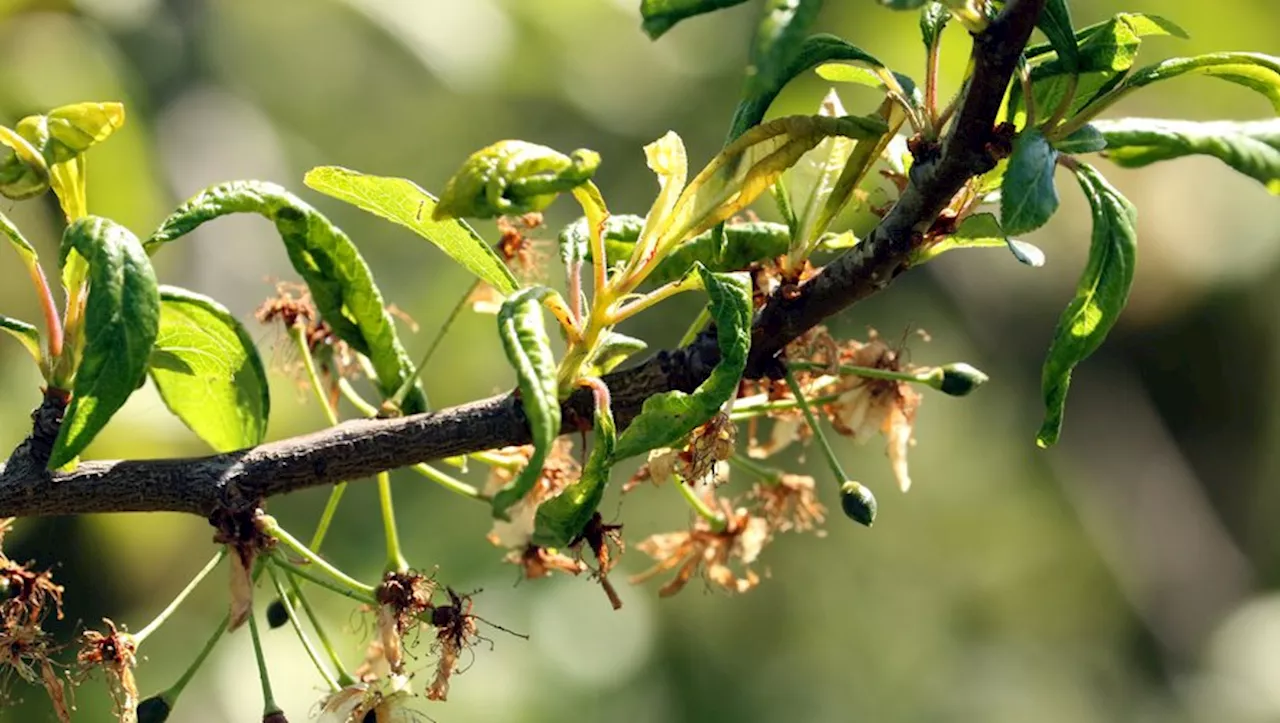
<point x="363" y="448"/>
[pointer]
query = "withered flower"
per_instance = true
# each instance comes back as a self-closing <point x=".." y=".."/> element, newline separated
<point x="525" y="256"/>
<point x="241" y="532"/>
<point x="602" y="539"/>
<point x="455" y="632"/>
<point x="402" y="597"/>
<point x="789" y="505"/>
<point x="116" y="653"/>
<point x="24" y="646"/>
<point x="704" y="549"/>
<point x="537" y="562"/>
<point x="868" y="406"/>
<point x="364" y="703"/>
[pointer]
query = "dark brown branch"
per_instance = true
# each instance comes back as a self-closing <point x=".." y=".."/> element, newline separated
<point x="363" y="448"/>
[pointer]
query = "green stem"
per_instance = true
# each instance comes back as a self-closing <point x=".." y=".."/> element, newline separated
<point x="931" y="85"/>
<point x="827" y="451"/>
<point x="171" y="695"/>
<point x="299" y="334"/>
<point x="395" y="559"/>
<point x="297" y="628"/>
<point x="918" y="377"/>
<point x="456" y="486"/>
<point x="742" y="463"/>
<point x="361" y="404"/>
<point x="268" y="700"/>
<point x="152" y="626"/>
<point x="699" y="505"/>
<point x="273" y="528"/>
<point x="397" y="399"/>
<point x="325" y="582"/>
<point x="344" y="678"/>
<point x="494" y="460"/>
<point x="658" y="295"/>
<point x="699" y="323"/>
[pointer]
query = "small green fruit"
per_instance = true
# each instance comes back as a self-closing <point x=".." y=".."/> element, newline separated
<point x="858" y="502"/>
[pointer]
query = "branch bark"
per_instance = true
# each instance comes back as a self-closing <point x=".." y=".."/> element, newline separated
<point x="357" y="449"/>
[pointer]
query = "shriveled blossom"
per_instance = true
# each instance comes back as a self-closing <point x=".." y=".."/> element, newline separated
<point x="366" y="703"/>
<point x="539" y="562"/>
<point x="240" y="532"/>
<point x="602" y="539"/>
<point x="455" y="631"/>
<point x="25" y="647"/>
<point x="525" y="256"/>
<point x="703" y="549"/>
<point x="789" y="505"/>
<point x="116" y="653"/>
<point x="560" y="470"/>
<point x="867" y="406"/>
<point x="402" y="598"/>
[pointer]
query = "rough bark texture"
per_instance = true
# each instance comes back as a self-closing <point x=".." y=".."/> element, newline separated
<point x="363" y="448"/>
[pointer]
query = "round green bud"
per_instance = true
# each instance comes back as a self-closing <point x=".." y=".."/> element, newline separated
<point x="858" y="502"/>
<point x="277" y="614"/>
<point x="154" y="710"/>
<point x="959" y="379"/>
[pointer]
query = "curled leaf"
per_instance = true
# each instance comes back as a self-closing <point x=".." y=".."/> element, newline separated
<point x="340" y="282"/>
<point x="659" y="16"/>
<point x="513" y="177"/>
<point x="1100" y="296"/>
<point x="23" y="172"/>
<point x="26" y="334"/>
<point x="121" y="320"/>
<point x="667" y="418"/>
<point x="1252" y="70"/>
<point x="560" y="519"/>
<point x="528" y="348"/>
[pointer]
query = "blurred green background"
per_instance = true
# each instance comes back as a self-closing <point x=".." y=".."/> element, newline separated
<point x="1127" y="575"/>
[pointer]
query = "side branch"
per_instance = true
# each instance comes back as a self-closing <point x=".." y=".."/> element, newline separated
<point x="363" y="448"/>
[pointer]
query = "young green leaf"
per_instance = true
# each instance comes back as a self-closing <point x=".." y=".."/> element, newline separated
<point x="1055" y="23"/>
<point x="341" y="284"/>
<point x="560" y="519"/>
<point x="121" y="319"/>
<point x="20" y="244"/>
<point x="1027" y="195"/>
<point x="1100" y="295"/>
<point x="1143" y="24"/>
<point x="813" y="180"/>
<point x="23" y="172"/>
<point x="513" y="177"/>
<point x="934" y="16"/>
<point x="528" y="348"/>
<point x="1252" y="148"/>
<point x="982" y="230"/>
<point x="1252" y="70"/>
<point x="745" y="243"/>
<point x="748" y="167"/>
<point x="667" y="418"/>
<point x="659" y="16"/>
<point x="401" y="201"/>
<point x="612" y="350"/>
<point x="207" y="370"/>
<point x="26" y="334"/>
<point x="74" y="129"/>
<point x="779" y="36"/>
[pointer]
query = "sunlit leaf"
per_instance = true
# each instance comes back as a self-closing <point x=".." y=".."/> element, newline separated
<point x="1252" y="148"/>
<point x="340" y="283"/>
<point x="121" y="319"/>
<point x="401" y="201"/>
<point x="934" y="16"/>
<point x="1027" y="196"/>
<point x="208" y="372"/>
<point x="26" y="334"/>
<point x="23" y="172"/>
<point x="612" y="350"/>
<point x="528" y="348"/>
<point x="1086" y="139"/>
<point x="513" y="177"/>
<point x="1143" y="24"/>
<point x="1100" y="296"/>
<point x="1252" y="70"/>
<point x="1055" y="23"/>
<point x="74" y="129"/>
<point x="982" y="230"/>
<point x="813" y="179"/>
<point x="667" y="418"/>
<point x="659" y="16"/>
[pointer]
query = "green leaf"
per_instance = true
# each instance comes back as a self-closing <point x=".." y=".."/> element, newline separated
<point x="659" y="16"/>
<point x="667" y="418"/>
<point x="513" y="177"/>
<point x="74" y="129"/>
<point x="813" y="179"/>
<point x="749" y="166"/>
<point x="121" y="319"/>
<point x="934" y="16"/>
<point x="1143" y="24"/>
<point x="1086" y="139"/>
<point x="612" y="350"/>
<point x="982" y="230"/>
<point x="560" y="519"/>
<point x="207" y="370"/>
<point x="528" y="348"/>
<point x="1100" y="295"/>
<point x="1027" y="195"/>
<point x="815" y="50"/>
<point x="1055" y="23"/>
<point x="1252" y="70"/>
<point x="26" y="334"/>
<point x="745" y="243"/>
<point x="401" y="201"/>
<point x="25" y="250"/>
<point x="778" y="39"/>
<point x="902" y="4"/>
<point x="1252" y="148"/>
<point x="23" y="172"/>
<point x="341" y="284"/>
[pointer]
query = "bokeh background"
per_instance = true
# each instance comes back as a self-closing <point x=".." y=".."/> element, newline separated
<point x="1129" y="574"/>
